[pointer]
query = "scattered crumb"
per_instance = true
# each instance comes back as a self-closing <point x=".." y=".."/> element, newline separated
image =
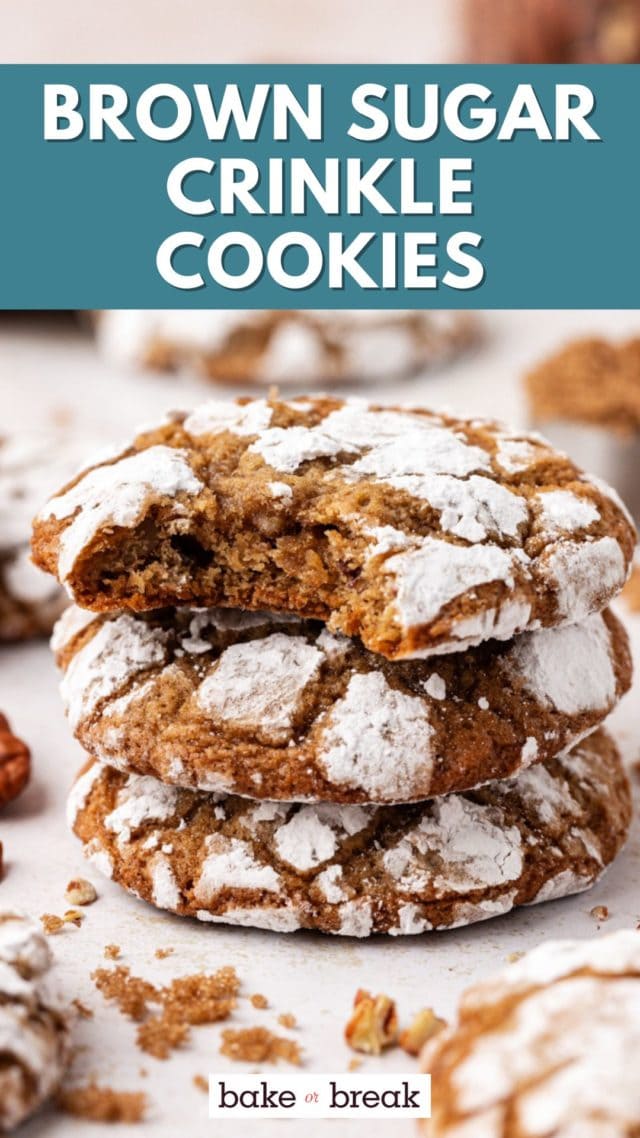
<point x="159" y="1036"/>
<point x="162" y="953"/>
<point x="258" y="1045"/>
<point x="373" y="1024"/>
<point x="184" y="1003"/>
<point x="287" y="1020"/>
<point x="103" y="1104"/>
<point x="79" y="891"/>
<point x="354" y="1064"/>
<point x="83" y="1011"/>
<point x="112" y="951"/>
<point x="143" y="1073"/>
<point x="131" y="994"/>
<point x="514" y="957"/>
<point x="600" y="913"/>
<point x="631" y="591"/>
<point x="73" y="917"/>
<point x="51" y="924"/>
<point x="424" y="1026"/>
<point x="258" y="1000"/>
<point x="201" y="1083"/>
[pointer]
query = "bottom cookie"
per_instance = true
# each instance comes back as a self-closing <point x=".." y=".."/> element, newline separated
<point x="358" y="870"/>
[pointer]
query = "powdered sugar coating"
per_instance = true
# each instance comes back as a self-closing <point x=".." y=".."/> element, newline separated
<point x="584" y="573"/>
<point x="378" y="739"/>
<point x="351" y="870"/>
<point x="261" y="682"/>
<point x="118" y="495"/>
<point x="562" y="511"/>
<point x="550" y="1054"/>
<point x="570" y="667"/>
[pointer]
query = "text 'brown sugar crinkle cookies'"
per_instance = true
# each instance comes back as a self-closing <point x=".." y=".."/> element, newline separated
<point x="357" y="870"/>
<point x="34" y="1032"/>
<point x="416" y="532"/>
<point x="286" y="347"/>
<point x="277" y="708"/>
<point x="547" y="1048"/>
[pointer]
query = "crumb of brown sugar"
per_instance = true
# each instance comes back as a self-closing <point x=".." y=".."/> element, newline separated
<point x="354" y="1064"/>
<point x="103" y="1104"/>
<point x="83" y="1011"/>
<point x="112" y="951"/>
<point x="514" y="957"/>
<point x="184" y="1003"/>
<point x="163" y="953"/>
<point x="424" y="1026"/>
<point x="287" y="1020"/>
<point x="373" y="1025"/>
<point x="51" y="924"/>
<point x="258" y="1045"/>
<point x="79" y="891"/>
<point x="131" y="994"/>
<point x="599" y="913"/>
<point x="201" y="1083"/>
<point x="159" y="1036"/>
<point x="258" y="1000"/>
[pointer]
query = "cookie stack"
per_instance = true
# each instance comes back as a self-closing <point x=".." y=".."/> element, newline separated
<point x="341" y="666"/>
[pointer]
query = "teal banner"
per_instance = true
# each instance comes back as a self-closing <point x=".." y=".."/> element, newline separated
<point x="319" y="187"/>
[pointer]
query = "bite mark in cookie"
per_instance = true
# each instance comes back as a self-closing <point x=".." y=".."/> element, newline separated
<point x="402" y="526"/>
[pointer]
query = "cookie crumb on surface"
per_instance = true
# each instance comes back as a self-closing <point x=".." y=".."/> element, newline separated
<point x="287" y="1020"/>
<point x="130" y="993"/>
<point x="159" y="1036"/>
<point x="258" y="1000"/>
<point x="112" y="951"/>
<point x="424" y="1026"/>
<point x="162" y="953"/>
<point x="354" y="1064"/>
<point x="373" y="1024"/>
<point x="258" y="1045"/>
<point x="73" y="917"/>
<point x="201" y="1083"/>
<point x="79" y="891"/>
<point x="51" y="924"/>
<point x="600" y="913"/>
<point x="103" y="1104"/>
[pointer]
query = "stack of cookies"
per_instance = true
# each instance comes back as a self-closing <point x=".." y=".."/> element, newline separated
<point x="342" y="667"/>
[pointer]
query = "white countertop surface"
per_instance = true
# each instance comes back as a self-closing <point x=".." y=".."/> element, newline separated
<point x="49" y="367"/>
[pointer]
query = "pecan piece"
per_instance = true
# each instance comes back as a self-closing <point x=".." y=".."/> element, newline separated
<point x="15" y="763"/>
<point x="373" y="1024"/>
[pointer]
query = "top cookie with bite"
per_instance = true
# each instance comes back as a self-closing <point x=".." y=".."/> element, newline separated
<point x="417" y="532"/>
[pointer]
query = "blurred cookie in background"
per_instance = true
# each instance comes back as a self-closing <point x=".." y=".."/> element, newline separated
<point x="586" y="399"/>
<point x="552" y="31"/>
<point x="286" y="347"/>
<point x="31" y="466"/>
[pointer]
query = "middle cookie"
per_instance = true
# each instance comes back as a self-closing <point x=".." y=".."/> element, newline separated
<point x="270" y="706"/>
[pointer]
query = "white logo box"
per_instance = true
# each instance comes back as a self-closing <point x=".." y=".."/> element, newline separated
<point x="320" y="1096"/>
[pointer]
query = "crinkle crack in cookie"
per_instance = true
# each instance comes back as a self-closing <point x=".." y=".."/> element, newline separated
<point x="357" y="870"/>
<point x="278" y="708"/>
<point x="34" y="1035"/>
<point x="548" y="1047"/>
<point x="286" y="347"/>
<point x="417" y="532"/>
<point x="31" y="466"/>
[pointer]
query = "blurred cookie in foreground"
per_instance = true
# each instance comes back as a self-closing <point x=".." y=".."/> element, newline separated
<point x="586" y="400"/>
<point x="31" y="466"/>
<point x="552" y="31"/>
<point x="547" y="1047"/>
<point x="299" y="347"/>
<point x="34" y="1031"/>
<point x="357" y="870"/>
